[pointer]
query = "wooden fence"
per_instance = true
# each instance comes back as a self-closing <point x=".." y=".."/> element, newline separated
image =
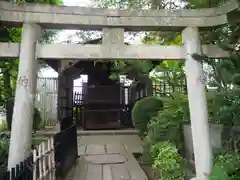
<point x="40" y="165"/>
<point x="44" y="161"/>
<point x="46" y="100"/>
<point x="50" y="160"/>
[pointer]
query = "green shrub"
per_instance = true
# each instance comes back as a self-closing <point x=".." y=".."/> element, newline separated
<point x="3" y="126"/>
<point x="167" y="160"/>
<point x="167" y="125"/>
<point x="226" y="166"/>
<point x="4" y="145"/>
<point x="144" y="110"/>
<point x="224" y="107"/>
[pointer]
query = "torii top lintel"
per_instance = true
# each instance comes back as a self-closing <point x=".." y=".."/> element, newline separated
<point x="65" y="17"/>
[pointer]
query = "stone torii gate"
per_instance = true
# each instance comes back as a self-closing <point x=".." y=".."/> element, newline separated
<point x="33" y="17"/>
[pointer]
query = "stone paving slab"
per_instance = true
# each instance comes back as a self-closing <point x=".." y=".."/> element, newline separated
<point x="108" y="159"/>
<point x="94" y="149"/>
<point x="132" y="143"/>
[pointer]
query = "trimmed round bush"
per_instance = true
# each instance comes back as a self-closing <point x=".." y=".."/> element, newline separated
<point x="144" y="110"/>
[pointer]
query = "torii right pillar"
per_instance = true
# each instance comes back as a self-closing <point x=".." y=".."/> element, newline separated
<point x="197" y="104"/>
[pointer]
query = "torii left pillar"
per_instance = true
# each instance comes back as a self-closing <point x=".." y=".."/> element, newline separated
<point x="22" y="120"/>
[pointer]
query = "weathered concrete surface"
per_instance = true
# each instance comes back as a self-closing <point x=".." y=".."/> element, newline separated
<point x="114" y="163"/>
<point x="22" y="119"/>
<point x="110" y="36"/>
<point x="94" y="52"/>
<point x="106" y="159"/>
<point x="197" y="104"/>
<point x="9" y="50"/>
<point x="113" y="36"/>
<point x="52" y="16"/>
<point x="96" y="144"/>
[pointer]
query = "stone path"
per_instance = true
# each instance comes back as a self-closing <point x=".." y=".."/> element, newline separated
<point x="108" y="157"/>
<point x="132" y="143"/>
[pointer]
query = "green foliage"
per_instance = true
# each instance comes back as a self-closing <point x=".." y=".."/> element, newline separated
<point x="167" y="124"/>
<point x="75" y="113"/>
<point x="172" y="75"/>
<point x="136" y="70"/>
<point x="224" y="107"/>
<point x="44" y="1"/>
<point x="167" y="160"/>
<point x="143" y="110"/>
<point x="4" y="146"/>
<point x="226" y="166"/>
<point x="193" y="4"/>
<point x="218" y="173"/>
<point x="114" y="76"/>
<point x="3" y="126"/>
